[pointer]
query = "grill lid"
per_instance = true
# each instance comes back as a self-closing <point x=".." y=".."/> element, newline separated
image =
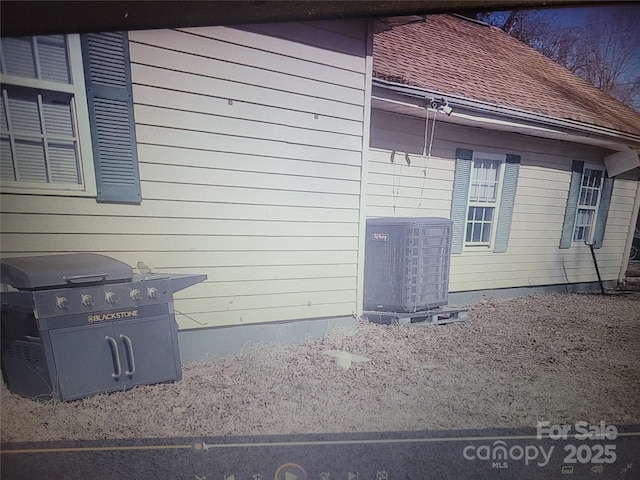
<point x="50" y="271"/>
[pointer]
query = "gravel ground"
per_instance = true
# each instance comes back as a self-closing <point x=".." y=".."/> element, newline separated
<point x="560" y="358"/>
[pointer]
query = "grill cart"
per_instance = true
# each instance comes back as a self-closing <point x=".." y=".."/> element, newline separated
<point x="78" y="324"/>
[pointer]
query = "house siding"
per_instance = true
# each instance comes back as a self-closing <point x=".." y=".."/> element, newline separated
<point x="533" y="257"/>
<point x="250" y="152"/>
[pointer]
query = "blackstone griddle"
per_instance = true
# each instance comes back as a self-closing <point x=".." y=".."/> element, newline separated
<point x="75" y="325"/>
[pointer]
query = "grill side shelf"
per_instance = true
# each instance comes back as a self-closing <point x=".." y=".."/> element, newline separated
<point x="180" y="282"/>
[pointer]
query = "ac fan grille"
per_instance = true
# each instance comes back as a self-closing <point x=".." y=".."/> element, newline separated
<point x="407" y="264"/>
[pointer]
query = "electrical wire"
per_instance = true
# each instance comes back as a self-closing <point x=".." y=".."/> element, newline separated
<point x="433" y="129"/>
<point x="189" y="317"/>
<point x="426" y="153"/>
<point x="426" y="131"/>
<point x="396" y="188"/>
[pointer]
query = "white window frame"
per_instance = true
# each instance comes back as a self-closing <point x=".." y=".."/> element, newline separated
<point x="478" y="156"/>
<point x="594" y="208"/>
<point x="80" y="115"/>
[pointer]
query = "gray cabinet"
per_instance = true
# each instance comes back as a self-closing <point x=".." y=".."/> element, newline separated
<point x="90" y="359"/>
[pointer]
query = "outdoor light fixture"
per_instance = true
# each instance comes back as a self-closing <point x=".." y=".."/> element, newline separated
<point x="441" y="105"/>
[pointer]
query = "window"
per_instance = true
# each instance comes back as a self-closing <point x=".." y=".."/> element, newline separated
<point x="588" y="203"/>
<point x="483" y="198"/>
<point x="484" y="194"/>
<point x="587" y="209"/>
<point x="45" y="138"/>
<point x="67" y="123"/>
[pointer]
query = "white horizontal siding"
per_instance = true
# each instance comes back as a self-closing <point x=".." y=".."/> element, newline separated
<point x="268" y="132"/>
<point x="248" y="196"/>
<point x="213" y="177"/>
<point x="340" y="44"/>
<point x="533" y="256"/>
<point x="241" y="143"/>
<point x="207" y="123"/>
<point x="261" y="208"/>
<point x="332" y="167"/>
<point x="270" y="287"/>
<point x="169" y="243"/>
<point x="240" y="300"/>
<point x="240" y="92"/>
<point x="260" y="315"/>
<point x="42" y="224"/>
<point x="256" y="302"/>
<point x="222" y="107"/>
<point x="421" y="187"/>
<point x="250" y="154"/>
<point x="201" y="60"/>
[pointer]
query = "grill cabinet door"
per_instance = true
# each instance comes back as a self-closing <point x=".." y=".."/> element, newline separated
<point x="84" y="360"/>
<point x="114" y="356"/>
<point x="147" y="350"/>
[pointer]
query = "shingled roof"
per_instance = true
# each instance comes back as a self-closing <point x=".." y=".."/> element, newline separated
<point x="456" y="56"/>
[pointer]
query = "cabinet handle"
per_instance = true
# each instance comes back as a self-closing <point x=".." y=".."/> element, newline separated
<point x="115" y="355"/>
<point x="129" y="346"/>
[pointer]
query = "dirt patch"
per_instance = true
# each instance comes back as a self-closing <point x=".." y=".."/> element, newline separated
<point x="560" y="358"/>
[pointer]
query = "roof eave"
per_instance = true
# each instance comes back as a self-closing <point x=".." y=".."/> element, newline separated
<point x="539" y="124"/>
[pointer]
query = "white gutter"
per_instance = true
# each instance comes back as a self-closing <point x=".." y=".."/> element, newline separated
<point x="493" y="122"/>
<point x="512" y="113"/>
<point x="465" y="118"/>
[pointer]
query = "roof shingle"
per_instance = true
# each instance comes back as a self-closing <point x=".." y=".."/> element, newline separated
<point x="460" y="57"/>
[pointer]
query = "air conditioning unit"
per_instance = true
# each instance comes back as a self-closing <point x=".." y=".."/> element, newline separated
<point x="407" y="262"/>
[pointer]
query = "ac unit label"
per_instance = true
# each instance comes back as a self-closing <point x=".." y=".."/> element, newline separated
<point x="380" y="237"/>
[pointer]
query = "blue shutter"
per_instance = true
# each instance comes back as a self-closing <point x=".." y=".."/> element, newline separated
<point x="460" y="196"/>
<point x="572" y="204"/>
<point x="507" y="200"/>
<point x="108" y="81"/>
<point x="603" y="212"/>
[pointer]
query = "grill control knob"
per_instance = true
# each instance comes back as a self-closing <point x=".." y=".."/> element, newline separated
<point x="152" y="292"/>
<point x="110" y="297"/>
<point x="135" y="295"/>
<point x="87" y="300"/>
<point x="62" y="303"/>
